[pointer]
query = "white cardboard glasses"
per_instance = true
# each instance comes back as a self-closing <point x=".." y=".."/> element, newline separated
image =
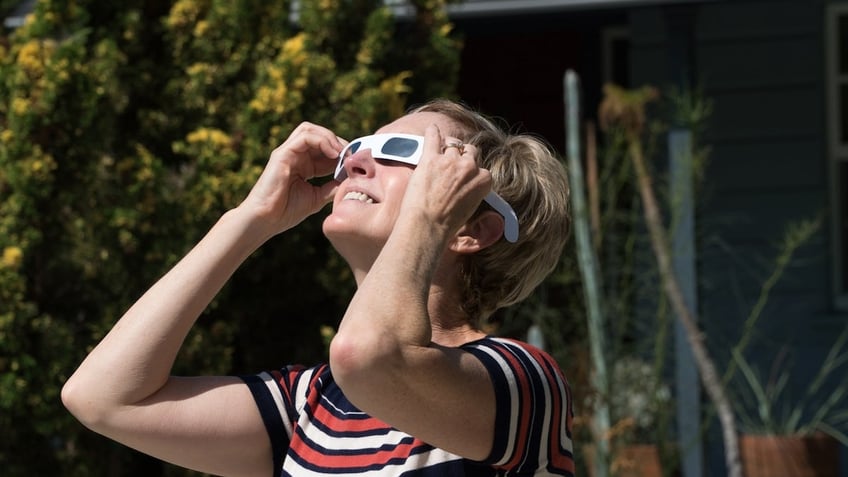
<point x="408" y="149"/>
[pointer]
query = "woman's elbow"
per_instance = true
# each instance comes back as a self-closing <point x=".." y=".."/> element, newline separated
<point x="345" y="358"/>
<point x="357" y="360"/>
<point x="80" y="401"/>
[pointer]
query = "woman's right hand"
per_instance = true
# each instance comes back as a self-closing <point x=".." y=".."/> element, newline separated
<point x="283" y="195"/>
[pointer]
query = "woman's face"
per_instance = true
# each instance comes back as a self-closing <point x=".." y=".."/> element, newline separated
<point x="368" y="201"/>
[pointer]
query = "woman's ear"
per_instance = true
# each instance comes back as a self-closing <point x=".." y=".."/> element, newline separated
<point x="479" y="233"/>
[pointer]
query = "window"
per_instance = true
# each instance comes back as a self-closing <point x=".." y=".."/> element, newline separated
<point x="837" y="104"/>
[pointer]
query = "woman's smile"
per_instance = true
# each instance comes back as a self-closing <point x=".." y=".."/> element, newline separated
<point x="360" y="196"/>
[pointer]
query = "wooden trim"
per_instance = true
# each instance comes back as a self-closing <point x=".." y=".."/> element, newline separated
<point x="609" y="35"/>
<point x="837" y="150"/>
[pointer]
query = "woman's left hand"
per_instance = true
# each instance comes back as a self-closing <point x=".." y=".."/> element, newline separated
<point x="447" y="185"/>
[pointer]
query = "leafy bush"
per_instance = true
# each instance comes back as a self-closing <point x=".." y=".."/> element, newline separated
<point x="126" y="129"/>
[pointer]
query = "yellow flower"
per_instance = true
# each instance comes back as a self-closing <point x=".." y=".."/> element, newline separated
<point x="6" y="136"/>
<point x="29" y="57"/>
<point x="275" y="73"/>
<point x="198" y="69"/>
<point x="41" y="165"/>
<point x="209" y="135"/>
<point x="214" y="183"/>
<point x="270" y="99"/>
<point x="294" y="45"/>
<point x="293" y="49"/>
<point x="144" y="175"/>
<point x="62" y="69"/>
<point x="257" y="105"/>
<point x="33" y="55"/>
<point x="394" y="90"/>
<point x="365" y="56"/>
<point x="327" y="332"/>
<point x="183" y="13"/>
<point x="201" y="28"/>
<point x="12" y="257"/>
<point x="20" y="106"/>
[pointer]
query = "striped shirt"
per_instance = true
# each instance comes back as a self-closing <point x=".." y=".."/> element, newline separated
<point x="316" y="431"/>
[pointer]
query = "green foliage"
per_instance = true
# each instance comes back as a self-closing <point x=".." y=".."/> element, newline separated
<point x="765" y="406"/>
<point x="126" y="129"/>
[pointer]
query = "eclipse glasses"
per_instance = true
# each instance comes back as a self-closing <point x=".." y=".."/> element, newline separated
<point x="408" y="149"/>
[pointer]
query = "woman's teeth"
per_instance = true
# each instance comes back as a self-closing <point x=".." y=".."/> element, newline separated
<point x="358" y="196"/>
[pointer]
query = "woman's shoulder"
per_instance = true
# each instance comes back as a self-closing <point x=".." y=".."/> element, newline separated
<point x="506" y="344"/>
<point x="511" y="352"/>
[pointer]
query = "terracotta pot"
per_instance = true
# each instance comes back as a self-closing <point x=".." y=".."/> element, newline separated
<point x="636" y="460"/>
<point x="795" y="456"/>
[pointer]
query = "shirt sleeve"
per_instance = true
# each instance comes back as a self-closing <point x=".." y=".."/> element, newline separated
<point x="280" y="396"/>
<point x="533" y="409"/>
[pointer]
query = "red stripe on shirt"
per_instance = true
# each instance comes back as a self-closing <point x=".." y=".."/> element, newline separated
<point x="524" y="413"/>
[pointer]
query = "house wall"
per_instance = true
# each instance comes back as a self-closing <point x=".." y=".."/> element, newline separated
<point x="761" y="64"/>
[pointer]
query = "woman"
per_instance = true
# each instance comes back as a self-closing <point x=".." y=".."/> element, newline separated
<point x="421" y="213"/>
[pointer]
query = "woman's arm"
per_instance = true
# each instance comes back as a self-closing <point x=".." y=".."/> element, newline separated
<point x="383" y="356"/>
<point x="124" y="390"/>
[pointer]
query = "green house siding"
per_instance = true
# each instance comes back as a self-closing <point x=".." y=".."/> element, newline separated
<point x="762" y="64"/>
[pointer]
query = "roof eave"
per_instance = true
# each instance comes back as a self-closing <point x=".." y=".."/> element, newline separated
<point x="481" y="8"/>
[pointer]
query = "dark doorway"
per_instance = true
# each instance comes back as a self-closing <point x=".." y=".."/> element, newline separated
<point x="512" y="67"/>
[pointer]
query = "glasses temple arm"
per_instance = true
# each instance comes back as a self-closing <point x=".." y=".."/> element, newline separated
<point x="510" y="219"/>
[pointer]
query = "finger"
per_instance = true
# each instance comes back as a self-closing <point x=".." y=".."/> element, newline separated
<point x="325" y="159"/>
<point x="307" y="136"/>
<point x="469" y="150"/>
<point x="328" y="191"/>
<point x="454" y="145"/>
<point x="432" y="141"/>
<point x="319" y="144"/>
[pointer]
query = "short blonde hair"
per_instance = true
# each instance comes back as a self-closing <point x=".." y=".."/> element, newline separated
<point x="528" y="175"/>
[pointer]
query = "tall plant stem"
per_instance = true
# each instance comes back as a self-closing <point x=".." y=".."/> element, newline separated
<point x="590" y="273"/>
<point x="592" y="187"/>
<point x="660" y="243"/>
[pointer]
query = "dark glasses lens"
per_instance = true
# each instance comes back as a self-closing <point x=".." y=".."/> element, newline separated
<point x="399" y="146"/>
<point x="352" y="148"/>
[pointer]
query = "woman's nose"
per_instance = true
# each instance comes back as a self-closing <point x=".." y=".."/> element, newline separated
<point x="360" y="163"/>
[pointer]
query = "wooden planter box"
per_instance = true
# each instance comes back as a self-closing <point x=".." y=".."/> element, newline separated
<point x="638" y="460"/>
<point x="789" y="456"/>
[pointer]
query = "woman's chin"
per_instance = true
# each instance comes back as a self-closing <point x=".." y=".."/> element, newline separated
<point x="337" y="228"/>
<point x="351" y="238"/>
